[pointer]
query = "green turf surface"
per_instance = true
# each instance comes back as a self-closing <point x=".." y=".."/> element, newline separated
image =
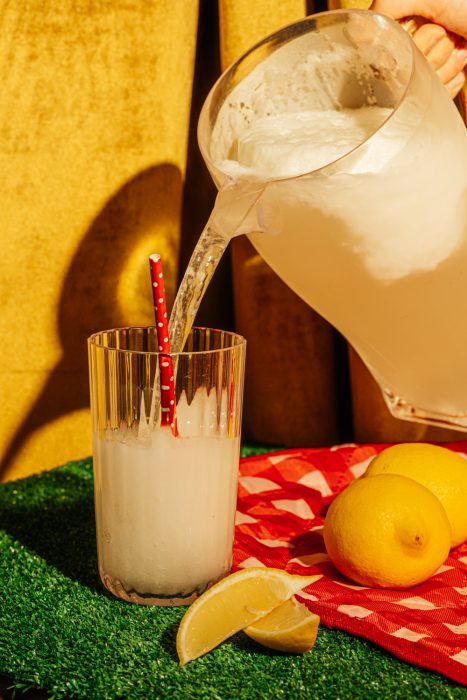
<point x="61" y="631"/>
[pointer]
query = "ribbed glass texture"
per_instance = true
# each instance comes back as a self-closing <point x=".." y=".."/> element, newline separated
<point x="165" y="497"/>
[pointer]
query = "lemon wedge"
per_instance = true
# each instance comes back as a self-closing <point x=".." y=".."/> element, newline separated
<point x="290" y="627"/>
<point x="232" y="604"/>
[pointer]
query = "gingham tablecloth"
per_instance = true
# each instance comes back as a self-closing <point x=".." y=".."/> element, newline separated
<point x="282" y="502"/>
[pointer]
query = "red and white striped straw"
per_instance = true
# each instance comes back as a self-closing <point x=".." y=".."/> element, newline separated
<point x="168" y="416"/>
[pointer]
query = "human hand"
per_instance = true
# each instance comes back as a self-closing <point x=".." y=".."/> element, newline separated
<point x="451" y="14"/>
<point x="445" y="46"/>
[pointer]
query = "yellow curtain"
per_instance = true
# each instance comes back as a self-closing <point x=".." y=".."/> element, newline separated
<point x="243" y="23"/>
<point x="94" y="114"/>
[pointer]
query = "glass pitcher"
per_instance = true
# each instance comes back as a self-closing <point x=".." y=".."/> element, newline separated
<point x="376" y="239"/>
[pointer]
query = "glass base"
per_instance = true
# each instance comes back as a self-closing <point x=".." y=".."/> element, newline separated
<point x="117" y="589"/>
<point x="399" y="408"/>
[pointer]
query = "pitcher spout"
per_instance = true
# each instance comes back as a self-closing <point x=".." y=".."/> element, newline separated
<point x="238" y="209"/>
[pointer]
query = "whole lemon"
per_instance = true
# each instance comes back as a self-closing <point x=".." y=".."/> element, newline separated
<point x="442" y="471"/>
<point x="387" y="531"/>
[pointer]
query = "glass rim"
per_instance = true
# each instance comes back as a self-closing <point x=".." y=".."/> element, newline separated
<point x="204" y="113"/>
<point x="237" y="341"/>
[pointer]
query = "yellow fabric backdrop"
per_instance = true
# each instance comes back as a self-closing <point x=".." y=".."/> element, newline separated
<point x="94" y="113"/>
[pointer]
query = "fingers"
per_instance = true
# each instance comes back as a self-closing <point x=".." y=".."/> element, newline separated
<point x="441" y="53"/>
<point x="440" y="50"/>
<point x="450" y="68"/>
<point x="456" y="84"/>
<point x="427" y="36"/>
<point x="446" y="52"/>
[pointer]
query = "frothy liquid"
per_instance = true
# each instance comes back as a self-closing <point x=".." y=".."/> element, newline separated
<point x="287" y="145"/>
<point x="165" y="507"/>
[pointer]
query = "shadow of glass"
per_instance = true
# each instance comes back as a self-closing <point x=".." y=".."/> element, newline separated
<point x="140" y="217"/>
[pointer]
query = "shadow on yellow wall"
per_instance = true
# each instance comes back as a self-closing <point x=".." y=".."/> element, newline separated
<point x="107" y="285"/>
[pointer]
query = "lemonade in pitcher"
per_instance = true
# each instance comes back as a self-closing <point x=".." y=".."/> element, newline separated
<point x="339" y="152"/>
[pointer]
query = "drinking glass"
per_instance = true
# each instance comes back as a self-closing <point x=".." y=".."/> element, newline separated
<point x="165" y="495"/>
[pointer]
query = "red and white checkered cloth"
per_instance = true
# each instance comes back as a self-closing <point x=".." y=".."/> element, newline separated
<point x="282" y="501"/>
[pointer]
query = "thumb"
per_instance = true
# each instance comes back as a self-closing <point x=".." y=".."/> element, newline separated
<point x="402" y="8"/>
<point x="452" y="15"/>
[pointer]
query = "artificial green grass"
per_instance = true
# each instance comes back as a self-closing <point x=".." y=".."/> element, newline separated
<point x="62" y="632"/>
